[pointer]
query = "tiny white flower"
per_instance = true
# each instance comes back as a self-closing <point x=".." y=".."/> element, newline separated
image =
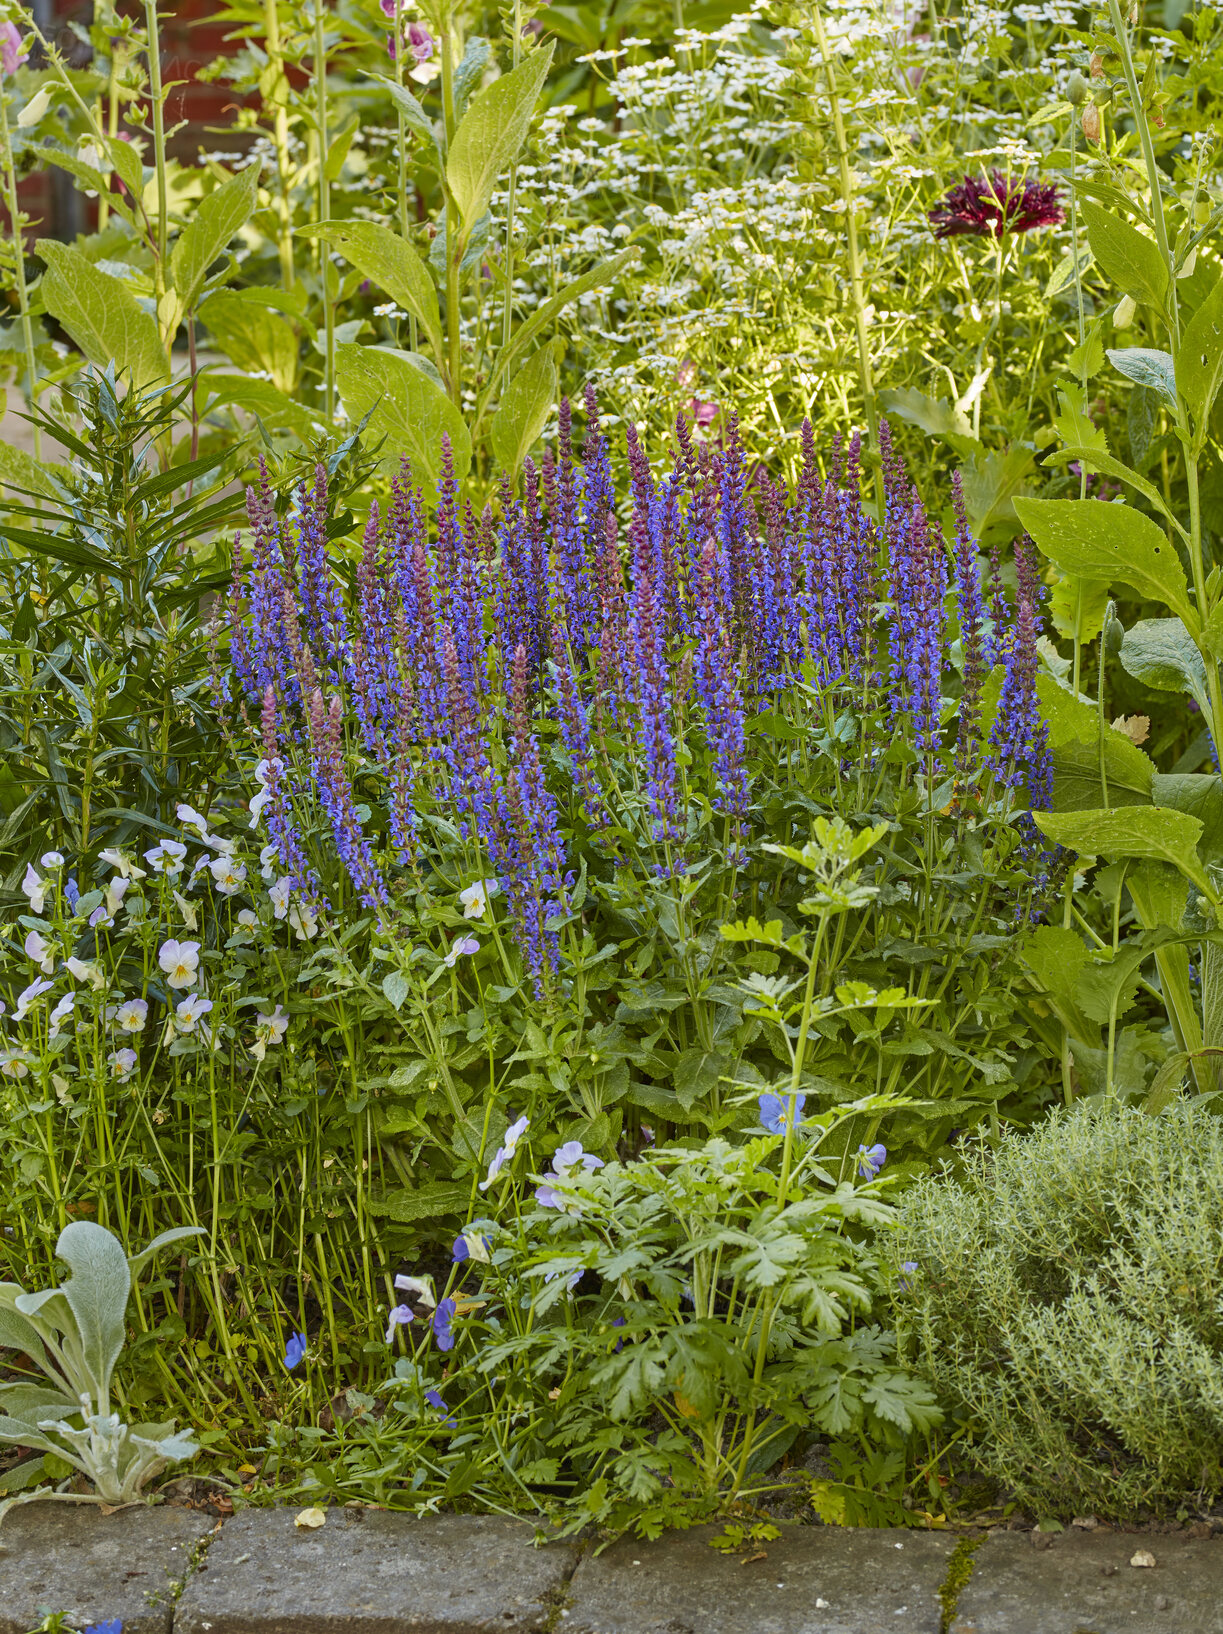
<point x="180" y="961"/>
<point x="278" y="895"/>
<point x="229" y="876"/>
<point x="38" y="949"/>
<point x="270" y="1030"/>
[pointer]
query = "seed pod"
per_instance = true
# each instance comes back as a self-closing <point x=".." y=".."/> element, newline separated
<point x="1076" y="90"/>
<point x="1090" y="122"/>
<point x="1096" y="66"/>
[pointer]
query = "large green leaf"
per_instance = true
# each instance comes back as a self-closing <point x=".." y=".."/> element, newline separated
<point x="1149" y="833"/>
<point x="1147" y="366"/>
<point x="1200" y="364"/>
<point x="408" y="408"/>
<point x="1113" y="543"/>
<point x="493" y="130"/>
<point x="252" y="336"/>
<point x="1200" y="794"/>
<point x="97" y="1291"/>
<point x="261" y="398"/>
<point x="523" y="411"/>
<point x="933" y="415"/>
<point x="218" y="217"/>
<point x="1075" y="748"/>
<point x="391" y="263"/>
<point x="102" y="315"/>
<point x="1161" y="652"/>
<point x="1125" y="255"/>
<point x="1098" y="459"/>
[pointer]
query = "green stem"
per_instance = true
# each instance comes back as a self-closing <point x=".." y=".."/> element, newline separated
<point x="157" y="98"/>
<point x="280" y="139"/>
<point x="324" y="205"/>
<point x="23" y="296"/>
<point x="865" y="374"/>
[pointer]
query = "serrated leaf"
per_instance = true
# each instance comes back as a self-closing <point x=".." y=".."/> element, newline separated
<point x="409" y="409"/>
<point x="102" y="315"/>
<point x="427" y="1202"/>
<point x="395" y="988"/>
<point x="933" y="415"/>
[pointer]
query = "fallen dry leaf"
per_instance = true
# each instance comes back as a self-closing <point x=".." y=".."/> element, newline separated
<point x="1143" y="1557"/>
<point x="1136" y="727"/>
<point x="311" y="1519"/>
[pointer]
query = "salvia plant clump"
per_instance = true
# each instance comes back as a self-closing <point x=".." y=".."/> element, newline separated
<point x="585" y="673"/>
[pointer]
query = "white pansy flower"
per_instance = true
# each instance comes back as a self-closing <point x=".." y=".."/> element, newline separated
<point x="228" y="876"/>
<point x="270" y="1029"/>
<point x="13" y="1064"/>
<point x="115" y="892"/>
<point x="263" y="772"/>
<point x="268" y="859"/>
<point x="52" y="859"/>
<point x="248" y="918"/>
<point x="187" y="814"/>
<point x="278" y="896"/>
<point x="38" y="949"/>
<point x="167" y="858"/>
<point x="61" y="1013"/>
<point x="422" y="1287"/>
<point x="82" y="970"/>
<point x="475" y="900"/>
<point x="187" y="909"/>
<point x="29" y="996"/>
<point x="303" y="921"/>
<point x="131" y="1015"/>
<point x="122" y="1064"/>
<point x="35" y="888"/>
<point x="125" y="865"/>
<point x="189" y="1010"/>
<point x="180" y="961"/>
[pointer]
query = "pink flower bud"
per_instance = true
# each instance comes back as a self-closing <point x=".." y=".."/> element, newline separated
<point x="13" y="50"/>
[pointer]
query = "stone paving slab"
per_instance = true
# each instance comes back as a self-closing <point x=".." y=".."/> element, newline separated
<point x="72" y="1558"/>
<point x="1083" y="1583"/>
<point x="815" y="1580"/>
<point x="373" y="1572"/>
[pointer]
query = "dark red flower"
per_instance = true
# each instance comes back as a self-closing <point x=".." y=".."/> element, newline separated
<point x="990" y="206"/>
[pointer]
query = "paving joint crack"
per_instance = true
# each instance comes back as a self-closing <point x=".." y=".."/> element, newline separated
<point x="960" y="1567"/>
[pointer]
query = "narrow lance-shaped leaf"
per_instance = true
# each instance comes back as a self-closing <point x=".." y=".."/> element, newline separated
<point x="1201" y="358"/>
<point x="218" y="217"/>
<point x="493" y="130"/>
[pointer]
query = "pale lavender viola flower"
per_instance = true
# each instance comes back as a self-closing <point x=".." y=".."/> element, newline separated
<point x="870" y="1160"/>
<point x="123" y="1064"/>
<point x="775" y="1111"/>
<point x="400" y="1316"/>
<point x="506" y="1150"/>
<point x="568" y="1157"/>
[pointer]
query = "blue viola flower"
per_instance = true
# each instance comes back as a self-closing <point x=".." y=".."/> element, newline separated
<point x="400" y="1316"/>
<point x="295" y="1350"/>
<point x="775" y="1109"/>
<point x="870" y="1160"/>
<point x="433" y="1397"/>
<point x="902" y="1282"/>
<point x="472" y="1246"/>
<point x="442" y="1318"/>
<point x="114" y="1626"/>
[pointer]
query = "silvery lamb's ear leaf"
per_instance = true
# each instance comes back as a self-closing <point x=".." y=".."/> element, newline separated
<point x="21" y="1434"/>
<point x="97" y="1291"/>
<point x="47" y="1309"/>
<point x="16" y="1331"/>
<point x="163" y="1241"/>
<point x="22" y="1476"/>
<point x="171" y="1447"/>
<point x="34" y="1402"/>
